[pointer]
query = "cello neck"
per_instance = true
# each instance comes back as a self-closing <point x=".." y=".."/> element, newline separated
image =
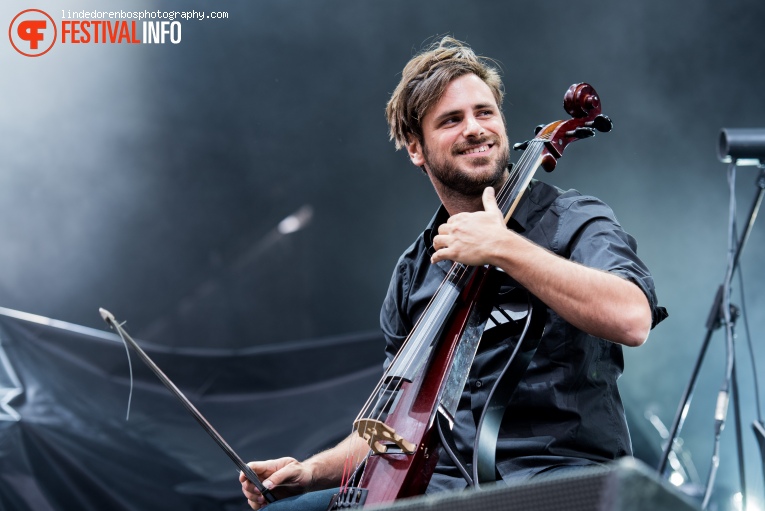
<point x="509" y="196"/>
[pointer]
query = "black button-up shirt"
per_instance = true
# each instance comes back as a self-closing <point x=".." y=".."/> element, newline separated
<point x="566" y="409"/>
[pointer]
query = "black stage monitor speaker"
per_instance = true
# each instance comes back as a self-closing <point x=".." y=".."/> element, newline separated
<point x="626" y="485"/>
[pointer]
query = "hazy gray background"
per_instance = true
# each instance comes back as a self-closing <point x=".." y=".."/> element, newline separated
<point x="150" y="179"/>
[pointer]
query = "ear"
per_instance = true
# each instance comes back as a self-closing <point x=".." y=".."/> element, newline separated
<point x="414" y="148"/>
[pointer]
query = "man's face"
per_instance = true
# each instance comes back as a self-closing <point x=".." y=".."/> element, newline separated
<point x="465" y="147"/>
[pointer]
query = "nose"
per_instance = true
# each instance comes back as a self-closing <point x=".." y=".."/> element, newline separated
<point x="472" y="127"/>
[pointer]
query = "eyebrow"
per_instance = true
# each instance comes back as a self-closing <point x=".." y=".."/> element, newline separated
<point x="479" y="106"/>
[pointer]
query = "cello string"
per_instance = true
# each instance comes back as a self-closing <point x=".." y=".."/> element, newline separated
<point x="345" y="481"/>
<point x="506" y="192"/>
<point x="516" y="176"/>
<point x="509" y="191"/>
<point x="459" y="271"/>
<point x="399" y="354"/>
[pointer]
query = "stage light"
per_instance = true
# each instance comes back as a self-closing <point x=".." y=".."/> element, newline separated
<point x="745" y="146"/>
<point x="676" y="478"/>
<point x="296" y="221"/>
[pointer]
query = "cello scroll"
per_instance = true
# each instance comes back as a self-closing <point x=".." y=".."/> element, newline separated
<point x="582" y="102"/>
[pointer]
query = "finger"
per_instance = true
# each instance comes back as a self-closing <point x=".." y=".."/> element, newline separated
<point x="254" y="498"/>
<point x="250" y="491"/>
<point x="285" y="478"/>
<point x="439" y="245"/>
<point x="262" y="469"/>
<point x="439" y="242"/>
<point x="490" y="201"/>
<point x="440" y="255"/>
<point x="260" y="500"/>
<point x="249" y="487"/>
<point x="243" y="478"/>
<point x="278" y="477"/>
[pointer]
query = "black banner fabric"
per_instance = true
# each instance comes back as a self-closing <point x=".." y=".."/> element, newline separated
<point x="65" y="443"/>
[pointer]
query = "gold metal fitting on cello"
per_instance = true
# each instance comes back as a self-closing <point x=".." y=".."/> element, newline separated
<point x="375" y="432"/>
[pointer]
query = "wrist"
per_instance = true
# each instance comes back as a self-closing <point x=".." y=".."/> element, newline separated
<point x="309" y="477"/>
<point x="316" y="476"/>
<point x="501" y="248"/>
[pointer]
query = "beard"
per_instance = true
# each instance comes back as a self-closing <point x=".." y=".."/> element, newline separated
<point x="464" y="182"/>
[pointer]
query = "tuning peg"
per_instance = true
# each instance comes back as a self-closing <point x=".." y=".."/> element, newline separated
<point x="581" y="132"/>
<point x="602" y="123"/>
<point x="538" y="129"/>
<point x="521" y="146"/>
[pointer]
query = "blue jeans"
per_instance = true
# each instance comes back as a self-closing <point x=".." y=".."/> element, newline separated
<point x="313" y="501"/>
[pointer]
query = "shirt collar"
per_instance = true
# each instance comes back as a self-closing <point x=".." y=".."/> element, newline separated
<point x="431" y="230"/>
<point x="518" y="222"/>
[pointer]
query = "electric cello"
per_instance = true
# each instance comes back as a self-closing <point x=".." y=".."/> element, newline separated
<point x="407" y="420"/>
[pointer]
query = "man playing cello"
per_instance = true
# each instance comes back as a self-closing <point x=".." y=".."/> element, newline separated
<point x="565" y="248"/>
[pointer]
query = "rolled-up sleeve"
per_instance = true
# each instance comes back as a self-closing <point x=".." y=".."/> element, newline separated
<point x="588" y="233"/>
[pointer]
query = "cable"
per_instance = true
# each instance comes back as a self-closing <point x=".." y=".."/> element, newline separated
<point x="745" y="317"/>
<point x="723" y="397"/>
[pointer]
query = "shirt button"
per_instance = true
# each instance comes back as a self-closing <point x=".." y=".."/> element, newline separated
<point x="478" y="384"/>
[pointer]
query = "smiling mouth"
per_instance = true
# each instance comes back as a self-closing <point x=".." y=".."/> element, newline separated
<point x="477" y="149"/>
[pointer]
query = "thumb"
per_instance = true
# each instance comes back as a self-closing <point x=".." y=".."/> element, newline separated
<point x="489" y="201"/>
<point x="285" y="474"/>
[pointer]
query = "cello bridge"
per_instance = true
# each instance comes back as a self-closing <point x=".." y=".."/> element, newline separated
<point x="377" y="434"/>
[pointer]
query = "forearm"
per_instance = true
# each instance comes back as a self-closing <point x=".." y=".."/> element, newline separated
<point x="597" y="302"/>
<point x="327" y="466"/>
